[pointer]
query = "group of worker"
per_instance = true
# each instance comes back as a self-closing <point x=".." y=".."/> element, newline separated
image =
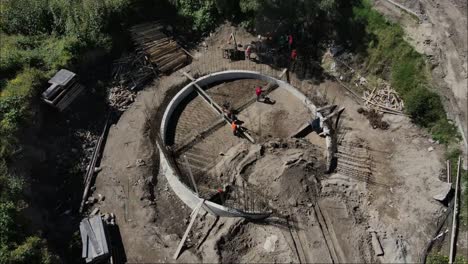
<point x="288" y="40"/>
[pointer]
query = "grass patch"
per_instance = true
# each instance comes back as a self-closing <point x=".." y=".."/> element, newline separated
<point x="438" y="258"/>
<point x="389" y="56"/>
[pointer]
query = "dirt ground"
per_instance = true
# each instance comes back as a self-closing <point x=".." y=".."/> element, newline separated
<point x="383" y="184"/>
<point x="442" y="37"/>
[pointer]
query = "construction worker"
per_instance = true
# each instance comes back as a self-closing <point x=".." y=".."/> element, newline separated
<point x="235" y="128"/>
<point x="258" y="92"/>
<point x="293" y="55"/>
<point x="248" y="51"/>
<point x="290" y="41"/>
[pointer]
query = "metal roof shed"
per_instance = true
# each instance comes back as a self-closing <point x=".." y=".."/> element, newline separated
<point x="94" y="239"/>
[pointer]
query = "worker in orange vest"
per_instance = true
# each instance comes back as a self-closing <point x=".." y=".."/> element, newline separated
<point x="235" y="128"/>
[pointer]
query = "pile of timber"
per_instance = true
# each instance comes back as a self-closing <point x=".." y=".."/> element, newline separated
<point x="132" y="71"/>
<point x="384" y="100"/>
<point x="161" y="50"/>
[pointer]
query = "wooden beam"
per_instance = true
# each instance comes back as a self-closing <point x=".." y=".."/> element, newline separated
<point x="92" y="164"/>
<point x="282" y="73"/>
<point x="192" y="220"/>
<point x="213" y="104"/>
<point x="455" y="215"/>
<point x="448" y="171"/>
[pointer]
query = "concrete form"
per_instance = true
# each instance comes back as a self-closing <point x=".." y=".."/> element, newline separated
<point x="189" y="197"/>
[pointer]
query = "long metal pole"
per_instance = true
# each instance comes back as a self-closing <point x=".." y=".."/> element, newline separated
<point x="455" y="215"/>
<point x="448" y="171"/>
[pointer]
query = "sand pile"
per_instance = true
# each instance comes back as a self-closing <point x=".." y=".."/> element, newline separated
<point x="275" y="175"/>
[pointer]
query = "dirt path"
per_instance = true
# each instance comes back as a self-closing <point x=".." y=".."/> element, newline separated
<point x="396" y="196"/>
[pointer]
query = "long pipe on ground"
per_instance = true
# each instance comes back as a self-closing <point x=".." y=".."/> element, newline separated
<point x="455" y="214"/>
<point x="404" y="8"/>
<point x="92" y="164"/>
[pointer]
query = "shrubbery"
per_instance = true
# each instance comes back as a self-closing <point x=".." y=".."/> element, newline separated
<point x="202" y="13"/>
<point x="38" y="37"/>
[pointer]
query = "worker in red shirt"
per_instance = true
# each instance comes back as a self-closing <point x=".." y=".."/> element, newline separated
<point x="248" y="51"/>
<point x="293" y="55"/>
<point x="290" y="41"/>
<point x="258" y="93"/>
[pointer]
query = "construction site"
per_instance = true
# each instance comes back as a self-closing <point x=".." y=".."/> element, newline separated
<point x="247" y="146"/>
<point x="184" y="187"/>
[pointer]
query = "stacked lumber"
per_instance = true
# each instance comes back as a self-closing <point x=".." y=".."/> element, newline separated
<point x="384" y="100"/>
<point x="161" y="50"/>
<point x="132" y="71"/>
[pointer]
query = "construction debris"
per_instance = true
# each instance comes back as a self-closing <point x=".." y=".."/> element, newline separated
<point x="161" y="50"/>
<point x="384" y="100"/>
<point x="95" y="211"/>
<point x="444" y="193"/>
<point x="374" y="118"/>
<point x="376" y="244"/>
<point x="132" y="71"/>
<point x="120" y="99"/>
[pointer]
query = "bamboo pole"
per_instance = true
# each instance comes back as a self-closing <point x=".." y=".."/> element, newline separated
<point x="455" y="215"/>
<point x="90" y="172"/>
<point x="448" y="171"/>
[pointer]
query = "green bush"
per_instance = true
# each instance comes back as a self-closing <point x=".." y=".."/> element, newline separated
<point x="58" y="52"/>
<point x="7" y="213"/>
<point x="17" y="52"/>
<point x="424" y="106"/>
<point x="38" y="37"/>
<point x="14" y="105"/>
<point x="29" y="17"/>
<point x="202" y="13"/>
<point x="32" y="251"/>
<point x="444" y="131"/>
<point x="438" y="258"/>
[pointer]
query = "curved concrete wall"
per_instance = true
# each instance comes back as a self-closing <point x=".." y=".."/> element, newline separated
<point x="185" y="193"/>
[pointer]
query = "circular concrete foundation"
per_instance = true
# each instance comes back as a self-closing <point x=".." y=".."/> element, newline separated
<point x="186" y="194"/>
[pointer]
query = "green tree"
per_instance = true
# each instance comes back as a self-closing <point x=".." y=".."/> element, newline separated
<point x="202" y="13"/>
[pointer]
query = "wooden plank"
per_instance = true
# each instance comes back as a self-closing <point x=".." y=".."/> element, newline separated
<point x="92" y="237"/>
<point x="192" y="221"/>
<point x="214" y="105"/>
<point x="448" y="171"/>
<point x="282" y="73"/>
<point x="70" y="97"/>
